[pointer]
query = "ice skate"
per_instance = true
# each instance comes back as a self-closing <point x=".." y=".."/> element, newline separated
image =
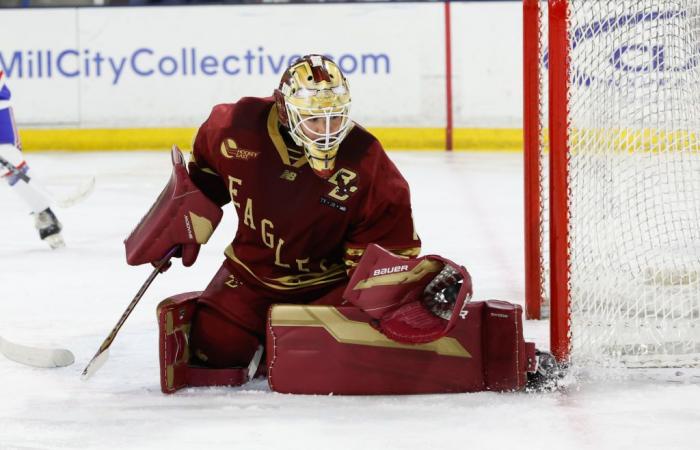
<point x="49" y="228"/>
<point x="546" y="377"/>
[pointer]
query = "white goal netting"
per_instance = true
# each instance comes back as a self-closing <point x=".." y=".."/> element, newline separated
<point x="634" y="182"/>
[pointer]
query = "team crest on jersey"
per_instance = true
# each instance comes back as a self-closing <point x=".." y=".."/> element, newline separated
<point x="233" y="282"/>
<point x="230" y="150"/>
<point x="342" y="182"/>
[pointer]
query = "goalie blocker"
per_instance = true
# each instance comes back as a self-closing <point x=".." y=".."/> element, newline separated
<point x="182" y="217"/>
<point x="314" y="349"/>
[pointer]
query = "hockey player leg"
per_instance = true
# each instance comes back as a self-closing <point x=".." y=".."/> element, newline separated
<point x="413" y="330"/>
<point x="200" y="348"/>
<point x="547" y="376"/>
<point x="14" y="169"/>
<point x="322" y="350"/>
<point x="218" y="343"/>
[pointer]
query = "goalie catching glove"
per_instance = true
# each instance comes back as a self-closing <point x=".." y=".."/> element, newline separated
<point x="182" y="216"/>
<point x="412" y="300"/>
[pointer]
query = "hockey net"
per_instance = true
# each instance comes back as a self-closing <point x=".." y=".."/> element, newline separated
<point x="613" y="211"/>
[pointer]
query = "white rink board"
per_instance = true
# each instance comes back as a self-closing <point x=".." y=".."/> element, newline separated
<point x="39" y="100"/>
<point x="238" y="51"/>
<point x="133" y="67"/>
<point x="487" y="64"/>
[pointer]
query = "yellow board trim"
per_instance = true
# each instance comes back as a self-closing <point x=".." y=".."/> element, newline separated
<point x="348" y="331"/>
<point x="102" y="139"/>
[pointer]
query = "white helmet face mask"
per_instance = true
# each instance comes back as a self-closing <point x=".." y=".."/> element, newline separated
<point x="321" y="129"/>
<point x="317" y="103"/>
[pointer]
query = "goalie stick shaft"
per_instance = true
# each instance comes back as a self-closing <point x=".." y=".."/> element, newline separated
<point x="102" y="353"/>
<point x="80" y="193"/>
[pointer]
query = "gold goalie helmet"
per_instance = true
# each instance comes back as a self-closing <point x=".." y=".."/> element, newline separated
<point x="313" y="101"/>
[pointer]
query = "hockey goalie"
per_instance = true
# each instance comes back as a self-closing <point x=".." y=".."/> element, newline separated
<point x="321" y="288"/>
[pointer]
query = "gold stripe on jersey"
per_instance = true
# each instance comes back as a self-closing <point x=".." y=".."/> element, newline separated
<point x="407" y="252"/>
<point x="353" y="255"/>
<point x="354" y="251"/>
<point x="274" y="132"/>
<point x="334" y="273"/>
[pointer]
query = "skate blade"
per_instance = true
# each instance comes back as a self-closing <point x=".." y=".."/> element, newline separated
<point x="55" y="241"/>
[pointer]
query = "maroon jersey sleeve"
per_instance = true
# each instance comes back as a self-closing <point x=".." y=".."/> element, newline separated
<point x="202" y="165"/>
<point x="386" y="217"/>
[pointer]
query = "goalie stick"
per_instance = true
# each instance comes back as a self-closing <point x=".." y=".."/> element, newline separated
<point x="102" y="353"/>
<point x="80" y="192"/>
<point x="36" y="357"/>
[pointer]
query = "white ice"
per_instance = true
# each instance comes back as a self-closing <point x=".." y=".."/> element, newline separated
<point x="467" y="206"/>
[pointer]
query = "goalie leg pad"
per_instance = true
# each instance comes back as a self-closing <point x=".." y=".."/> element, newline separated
<point x="219" y="343"/>
<point x="323" y="349"/>
<point x="507" y="357"/>
<point x="174" y="320"/>
<point x="336" y="350"/>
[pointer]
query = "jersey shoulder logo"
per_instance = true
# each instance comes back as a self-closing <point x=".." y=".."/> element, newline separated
<point x="342" y="181"/>
<point x="230" y="150"/>
<point x="288" y="175"/>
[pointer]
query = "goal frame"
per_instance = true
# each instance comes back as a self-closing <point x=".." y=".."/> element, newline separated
<point x="611" y="156"/>
<point x="558" y="170"/>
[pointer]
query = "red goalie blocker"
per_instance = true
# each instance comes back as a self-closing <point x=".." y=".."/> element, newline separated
<point x="324" y="350"/>
<point x="181" y="216"/>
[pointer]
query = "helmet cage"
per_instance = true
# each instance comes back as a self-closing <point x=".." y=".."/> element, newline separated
<point x="336" y="125"/>
<point x="314" y="103"/>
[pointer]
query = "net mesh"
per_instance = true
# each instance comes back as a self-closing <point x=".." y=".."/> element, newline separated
<point x="634" y="182"/>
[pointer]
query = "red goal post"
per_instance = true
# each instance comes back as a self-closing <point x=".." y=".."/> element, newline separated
<point x="535" y="93"/>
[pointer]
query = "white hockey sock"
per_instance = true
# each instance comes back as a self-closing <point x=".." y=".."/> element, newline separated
<point x="12" y="154"/>
<point x="36" y="201"/>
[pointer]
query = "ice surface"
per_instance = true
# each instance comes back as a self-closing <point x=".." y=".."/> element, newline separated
<point x="467" y="206"/>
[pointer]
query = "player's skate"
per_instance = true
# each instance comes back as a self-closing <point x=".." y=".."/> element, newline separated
<point x="49" y="228"/>
<point x="548" y="374"/>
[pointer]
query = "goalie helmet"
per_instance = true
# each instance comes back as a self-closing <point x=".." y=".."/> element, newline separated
<point x="313" y="101"/>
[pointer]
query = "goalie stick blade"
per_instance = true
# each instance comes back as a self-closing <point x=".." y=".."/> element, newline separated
<point x="80" y="194"/>
<point x="36" y="357"/>
<point x="94" y="365"/>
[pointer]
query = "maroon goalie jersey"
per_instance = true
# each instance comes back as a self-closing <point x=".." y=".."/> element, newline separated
<point x="298" y="233"/>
